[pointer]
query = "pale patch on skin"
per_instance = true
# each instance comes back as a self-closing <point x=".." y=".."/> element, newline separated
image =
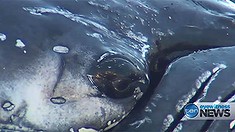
<point x="68" y="87"/>
<point x="31" y="88"/>
<point x="28" y="85"/>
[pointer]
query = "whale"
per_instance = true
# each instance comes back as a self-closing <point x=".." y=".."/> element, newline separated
<point x="84" y="65"/>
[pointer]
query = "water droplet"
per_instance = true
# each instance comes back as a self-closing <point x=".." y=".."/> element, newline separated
<point x="170" y="32"/>
<point x="137" y="90"/>
<point x="165" y="8"/>
<point x="3" y="37"/>
<point x="58" y="100"/>
<point x="147" y="109"/>
<point x="123" y="112"/>
<point x="167" y="122"/>
<point x="61" y="49"/>
<point x="8" y="106"/>
<point x="153" y="104"/>
<point x="142" y="21"/>
<point x="153" y="30"/>
<point x="19" y="43"/>
<point x="71" y="130"/>
<point x="198" y="83"/>
<point x="109" y="123"/>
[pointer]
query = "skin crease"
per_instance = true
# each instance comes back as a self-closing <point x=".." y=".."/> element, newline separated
<point x="89" y="29"/>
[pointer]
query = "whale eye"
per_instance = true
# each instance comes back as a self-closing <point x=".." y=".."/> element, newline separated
<point x="118" y="77"/>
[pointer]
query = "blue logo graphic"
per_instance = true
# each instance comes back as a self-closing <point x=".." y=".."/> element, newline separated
<point x="191" y="110"/>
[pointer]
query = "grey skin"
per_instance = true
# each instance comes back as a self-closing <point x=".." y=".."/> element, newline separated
<point x="106" y="70"/>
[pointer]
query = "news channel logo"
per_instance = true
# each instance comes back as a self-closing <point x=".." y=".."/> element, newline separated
<point x="210" y="111"/>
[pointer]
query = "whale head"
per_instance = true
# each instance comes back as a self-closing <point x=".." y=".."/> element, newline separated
<point x="61" y="71"/>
